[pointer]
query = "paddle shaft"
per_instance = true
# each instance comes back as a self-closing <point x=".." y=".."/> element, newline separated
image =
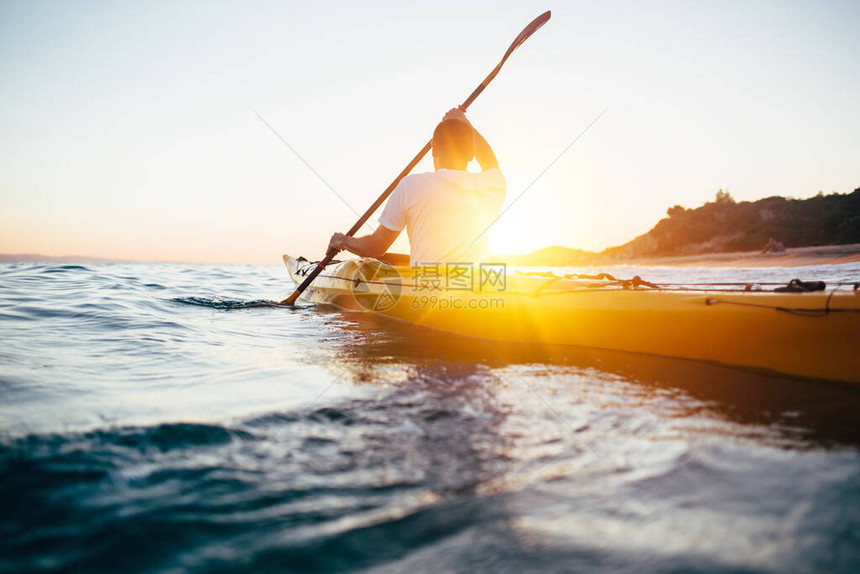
<point x="523" y="36"/>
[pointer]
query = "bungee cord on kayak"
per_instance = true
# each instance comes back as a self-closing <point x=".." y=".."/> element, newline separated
<point x="609" y="281"/>
<point x="802" y="312"/>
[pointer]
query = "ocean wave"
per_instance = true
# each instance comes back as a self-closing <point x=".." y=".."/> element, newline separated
<point x="224" y="304"/>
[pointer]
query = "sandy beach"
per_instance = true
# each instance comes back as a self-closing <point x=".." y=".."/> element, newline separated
<point x="793" y="257"/>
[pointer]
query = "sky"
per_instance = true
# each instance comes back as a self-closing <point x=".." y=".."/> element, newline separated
<point x="129" y="130"/>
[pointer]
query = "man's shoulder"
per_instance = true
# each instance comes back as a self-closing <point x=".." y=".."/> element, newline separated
<point x="421" y="177"/>
<point x="491" y="179"/>
<point x="419" y="181"/>
<point x="483" y="180"/>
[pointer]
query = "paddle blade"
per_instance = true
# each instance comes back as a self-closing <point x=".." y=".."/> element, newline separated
<point x="528" y="31"/>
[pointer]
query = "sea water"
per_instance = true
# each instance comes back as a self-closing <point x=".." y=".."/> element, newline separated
<point x="170" y="418"/>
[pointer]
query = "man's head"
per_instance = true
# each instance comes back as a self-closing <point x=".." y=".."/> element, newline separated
<point x="453" y="145"/>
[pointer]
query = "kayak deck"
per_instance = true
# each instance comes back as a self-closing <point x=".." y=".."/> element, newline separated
<point x="802" y="334"/>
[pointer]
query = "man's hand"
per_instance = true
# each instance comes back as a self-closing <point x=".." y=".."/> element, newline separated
<point x="456" y="114"/>
<point x="337" y="243"/>
<point x="373" y="245"/>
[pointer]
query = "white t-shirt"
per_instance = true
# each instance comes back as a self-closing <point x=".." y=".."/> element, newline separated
<point x="447" y="214"/>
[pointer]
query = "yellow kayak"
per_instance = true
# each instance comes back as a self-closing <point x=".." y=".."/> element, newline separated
<point x="806" y="334"/>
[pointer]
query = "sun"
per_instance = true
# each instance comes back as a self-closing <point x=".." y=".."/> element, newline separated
<point x="509" y="238"/>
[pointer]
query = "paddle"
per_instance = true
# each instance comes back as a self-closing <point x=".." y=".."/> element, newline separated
<point x="524" y="35"/>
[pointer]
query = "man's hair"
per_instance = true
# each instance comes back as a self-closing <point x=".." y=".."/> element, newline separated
<point x="454" y="139"/>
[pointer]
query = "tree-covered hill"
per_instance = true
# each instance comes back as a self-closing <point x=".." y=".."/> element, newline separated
<point x="725" y="225"/>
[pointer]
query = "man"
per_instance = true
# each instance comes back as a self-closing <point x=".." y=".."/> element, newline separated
<point x="447" y="213"/>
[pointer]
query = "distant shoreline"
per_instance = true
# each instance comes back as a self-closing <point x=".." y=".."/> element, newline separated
<point x="37" y="257"/>
<point x="791" y="257"/>
<point x="77" y="259"/>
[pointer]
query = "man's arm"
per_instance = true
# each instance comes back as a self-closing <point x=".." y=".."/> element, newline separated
<point x="483" y="152"/>
<point x="373" y="245"/>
